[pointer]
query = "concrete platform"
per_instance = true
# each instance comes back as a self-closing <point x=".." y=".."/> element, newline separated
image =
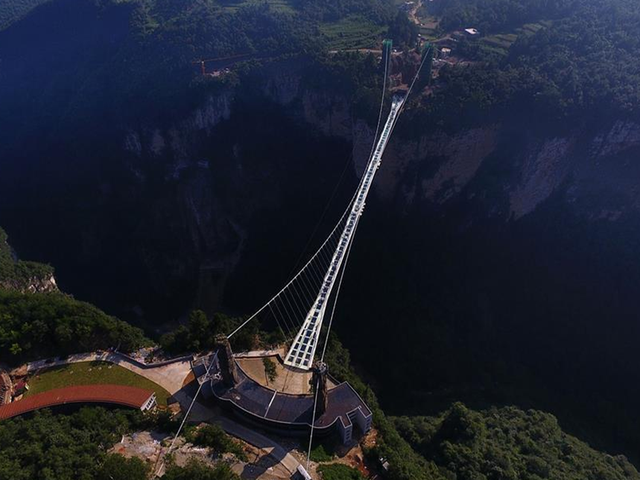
<point x="289" y="379"/>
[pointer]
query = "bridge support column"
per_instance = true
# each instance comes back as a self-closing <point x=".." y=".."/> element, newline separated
<point x="228" y="368"/>
<point x="319" y="385"/>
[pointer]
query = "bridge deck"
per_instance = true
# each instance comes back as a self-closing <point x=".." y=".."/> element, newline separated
<point x="302" y="351"/>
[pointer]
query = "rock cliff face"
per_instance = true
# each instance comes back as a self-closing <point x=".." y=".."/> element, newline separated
<point x="437" y="168"/>
<point x="506" y="177"/>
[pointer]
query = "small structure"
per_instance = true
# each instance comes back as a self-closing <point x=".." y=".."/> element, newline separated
<point x="471" y="31"/>
<point x="96" y="394"/>
<point x="445" y="52"/>
<point x="407" y="6"/>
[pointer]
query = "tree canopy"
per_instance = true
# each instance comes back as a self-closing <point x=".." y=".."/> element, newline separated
<point x="43" y="325"/>
<point x="65" y="447"/>
<point x="507" y="444"/>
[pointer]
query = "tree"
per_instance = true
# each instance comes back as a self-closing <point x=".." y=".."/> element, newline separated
<point x="195" y="470"/>
<point x="339" y="472"/>
<point x="270" y="370"/>
<point x="214" y="437"/>
<point x="117" y="467"/>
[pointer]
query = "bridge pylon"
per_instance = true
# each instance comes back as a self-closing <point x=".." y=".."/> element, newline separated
<point x="228" y="368"/>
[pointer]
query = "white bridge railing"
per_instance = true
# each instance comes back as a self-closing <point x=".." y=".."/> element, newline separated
<point x="304" y="346"/>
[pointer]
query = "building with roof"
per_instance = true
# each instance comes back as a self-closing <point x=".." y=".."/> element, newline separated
<point x="120" y="395"/>
<point x="286" y="413"/>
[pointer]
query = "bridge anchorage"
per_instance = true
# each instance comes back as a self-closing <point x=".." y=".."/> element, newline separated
<point x="308" y="399"/>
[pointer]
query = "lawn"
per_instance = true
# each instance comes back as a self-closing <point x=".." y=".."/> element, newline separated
<point x="92" y="373"/>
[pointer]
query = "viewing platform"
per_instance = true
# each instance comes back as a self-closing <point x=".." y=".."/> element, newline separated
<point x="285" y="405"/>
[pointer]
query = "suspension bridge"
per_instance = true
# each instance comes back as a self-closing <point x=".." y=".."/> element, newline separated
<point x="304" y="310"/>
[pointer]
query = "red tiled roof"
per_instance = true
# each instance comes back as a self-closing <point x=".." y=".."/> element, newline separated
<point x="117" y="394"/>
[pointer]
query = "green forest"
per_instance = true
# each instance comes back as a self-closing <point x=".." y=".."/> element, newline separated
<point x="574" y="60"/>
<point x="504" y="443"/>
<point x="41" y="325"/>
<point x="74" y="447"/>
<point x="507" y="444"/>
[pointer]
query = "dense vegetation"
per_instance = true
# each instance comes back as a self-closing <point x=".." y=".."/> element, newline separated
<point x="338" y="471"/>
<point x="507" y="444"/>
<point x="200" y="334"/>
<point x="195" y="470"/>
<point x="74" y="447"/>
<point x="212" y="436"/>
<point x="39" y="325"/>
<point x="19" y="273"/>
<point x="117" y="467"/>
<point x="63" y="447"/>
<point x="581" y="65"/>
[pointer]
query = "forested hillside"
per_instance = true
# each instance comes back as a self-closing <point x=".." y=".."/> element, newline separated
<point x="38" y="325"/>
<point x="508" y="444"/>
<point x="575" y="61"/>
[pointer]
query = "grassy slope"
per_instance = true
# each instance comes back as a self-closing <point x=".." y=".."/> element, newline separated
<point x="92" y="373"/>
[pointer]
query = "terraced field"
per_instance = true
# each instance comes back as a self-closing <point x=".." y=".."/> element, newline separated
<point x="283" y="6"/>
<point x="352" y="32"/>
<point x="501" y="42"/>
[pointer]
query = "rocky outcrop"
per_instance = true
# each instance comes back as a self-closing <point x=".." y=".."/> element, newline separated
<point x="25" y="277"/>
<point x="33" y="284"/>
<point x="543" y="170"/>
